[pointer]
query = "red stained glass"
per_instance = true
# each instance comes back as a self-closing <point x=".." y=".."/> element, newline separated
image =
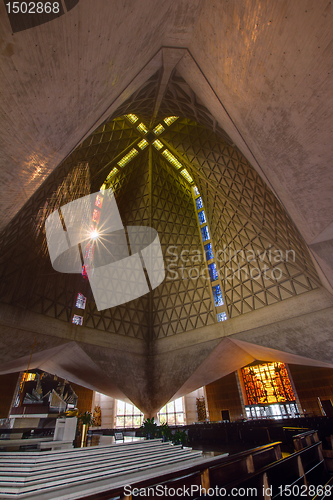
<point x="84" y="272"/>
<point x="99" y="201"/>
<point x="96" y="216"/>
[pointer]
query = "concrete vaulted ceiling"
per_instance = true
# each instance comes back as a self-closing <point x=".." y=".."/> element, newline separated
<point x="250" y="84"/>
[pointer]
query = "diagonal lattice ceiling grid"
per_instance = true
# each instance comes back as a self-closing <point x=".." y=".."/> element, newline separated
<point x="244" y="216"/>
<point x="238" y="182"/>
<point x="179" y="304"/>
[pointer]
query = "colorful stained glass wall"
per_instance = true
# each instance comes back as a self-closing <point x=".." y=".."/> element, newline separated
<point x="267" y="383"/>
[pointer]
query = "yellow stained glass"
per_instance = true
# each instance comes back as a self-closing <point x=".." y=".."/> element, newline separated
<point x="158" y="145"/>
<point x="112" y="173"/>
<point x="158" y="129"/>
<point x="132" y="118"/>
<point x="142" y="127"/>
<point x="267" y="383"/>
<point x="128" y="157"/>
<point x="187" y="176"/>
<point x="169" y="156"/>
<point x="27" y="377"/>
<point x="170" y="119"/>
<point x="143" y="144"/>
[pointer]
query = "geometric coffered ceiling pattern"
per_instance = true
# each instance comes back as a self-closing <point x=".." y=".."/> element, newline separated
<point x="263" y="258"/>
<point x="165" y="203"/>
<point x="260" y="255"/>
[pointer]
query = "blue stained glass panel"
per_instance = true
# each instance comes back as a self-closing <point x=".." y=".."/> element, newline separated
<point x="221" y="317"/>
<point x="209" y="251"/>
<point x="205" y="233"/>
<point x="80" y="301"/>
<point x="77" y="320"/>
<point x="217" y="294"/>
<point x="196" y="190"/>
<point x="213" y="274"/>
<point x="199" y="203"/>
<point x="202" y="217"/>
